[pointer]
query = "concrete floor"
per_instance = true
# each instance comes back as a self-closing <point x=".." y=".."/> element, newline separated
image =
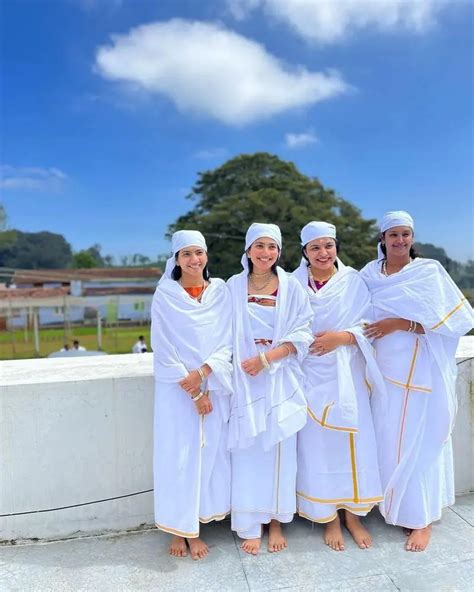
<point x="139" y="561"/>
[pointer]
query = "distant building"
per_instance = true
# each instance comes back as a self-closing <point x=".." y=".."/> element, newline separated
<point x="77" y="295"/>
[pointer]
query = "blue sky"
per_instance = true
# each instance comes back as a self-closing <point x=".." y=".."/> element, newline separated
<point x="111" y="107"/>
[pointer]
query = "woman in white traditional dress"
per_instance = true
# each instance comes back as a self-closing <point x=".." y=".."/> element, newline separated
<point x="337" y="460"/>
<point x="271" y="336"/>
<point x="420" y="315"/>
<point x="192" y="345"/>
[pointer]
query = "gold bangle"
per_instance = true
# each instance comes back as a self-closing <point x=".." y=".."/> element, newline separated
<point x="352" y="338"/>
<point x="201" y="373"/>
<point x="264" y="360"/>
<point x="198" y="396"/>
<point x="287" y="348"/>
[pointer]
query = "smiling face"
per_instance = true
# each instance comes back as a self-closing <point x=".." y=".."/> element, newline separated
<point x="321" y="253"/>
<point x="263" y="253"/>
<point x="398" y="241"/>
<point x="192" y="261"/>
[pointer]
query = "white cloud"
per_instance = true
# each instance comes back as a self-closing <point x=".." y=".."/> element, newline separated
<point x="35" y="178"/>
<point x="208" y="70"/>
<point x="331" y="21"/>
<point x="211" y="153"/>
<point x="241" y="8"/>
<point x="300" y="140"/>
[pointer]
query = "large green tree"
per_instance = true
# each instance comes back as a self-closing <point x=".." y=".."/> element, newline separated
<point x="262" y="188"/>
<point x="34" y="250"/>
<point x="88" y="258"/>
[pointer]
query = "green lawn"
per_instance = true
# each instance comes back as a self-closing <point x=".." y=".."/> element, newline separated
<point x="118" y="340"/>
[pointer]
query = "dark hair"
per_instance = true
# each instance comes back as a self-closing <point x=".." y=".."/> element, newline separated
<point x="337" y="249"/>
<point x="141" y="337"/>
<point x="177" y="272"/>
<point x="413" y="252"/>
<point x="75" y="341"/>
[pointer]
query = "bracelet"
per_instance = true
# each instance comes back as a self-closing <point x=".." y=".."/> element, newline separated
<point x="199" y="396"/>
<point x="288" y="348"/>
<point x="413" y="327"/>
<point x="352" y="339"/>
<point x="201" y="373"/>
<point x="264" y="360"/>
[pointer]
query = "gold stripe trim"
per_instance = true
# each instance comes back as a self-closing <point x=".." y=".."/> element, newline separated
<point x="329" y="426"/>
<point x="216" y="517"/>
<point x="407" y="394"/>
<point x="188" y="535"/>
<point x="405" y="406"/>
<point x="319" y="520"/>
<point x="325" y="413"/>
<point x="339" y="500"/>
<point x="355" y="484"/>
<point x="410" y="387"/>
<point x="455" y="309"/>
<point x="191" y="535"/>
<point x="369" y="386"/>
<point x="332" y="516"/>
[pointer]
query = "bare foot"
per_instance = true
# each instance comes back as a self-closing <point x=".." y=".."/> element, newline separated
<point x="178" y="547"/>
<point x="251" y="546"/>
<point x="418" y="539"/>
<point x="360" y="534"/>
<point x="276" y="540"/>
<point x="407" y="531"/>
<point x="333" y="535"/>
<point x="198" y="548"/>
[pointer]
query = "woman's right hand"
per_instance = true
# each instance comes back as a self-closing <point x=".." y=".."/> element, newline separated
<point x="204" y="405"/>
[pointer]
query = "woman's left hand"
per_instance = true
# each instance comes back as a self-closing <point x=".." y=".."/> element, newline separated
<point x="191" y="382"/>
<point x="252" y="366"/>
<point x="325" y="342"/>
<point x="382" y="328"/>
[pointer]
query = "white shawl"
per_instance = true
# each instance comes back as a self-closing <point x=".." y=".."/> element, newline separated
<point x="271" y="403"/>
<point x="343" y="304"/>
<point x="424" y="292"/>
<point x="186" y="334"/>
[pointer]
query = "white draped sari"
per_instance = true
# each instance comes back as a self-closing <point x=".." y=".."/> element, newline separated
<point x="337" y="460"/>
<point x="267" y="409"/>
<point x="414" y="417"/>
<point x="191" y="459"/>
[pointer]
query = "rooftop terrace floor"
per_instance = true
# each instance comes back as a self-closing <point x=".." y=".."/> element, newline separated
<point x="139" y="561"/>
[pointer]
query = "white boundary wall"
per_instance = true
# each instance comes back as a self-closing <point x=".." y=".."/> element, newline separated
<point x="79" y="430"/>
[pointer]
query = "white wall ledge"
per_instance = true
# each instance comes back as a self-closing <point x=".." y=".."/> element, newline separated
<point x="78" y="430"/>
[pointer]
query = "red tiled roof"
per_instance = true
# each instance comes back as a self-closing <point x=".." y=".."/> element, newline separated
<point x="37" y="276"/>
<point x="33" y="293"/>
<point x="118" y="290"/>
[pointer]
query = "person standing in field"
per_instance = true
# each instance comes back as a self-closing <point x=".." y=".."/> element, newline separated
<point x="140" y="346"/>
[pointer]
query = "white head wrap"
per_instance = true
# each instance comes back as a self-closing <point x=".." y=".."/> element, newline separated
<point x="257" y="230"/>
<point x="315" y="230"/>
<point x="391" y="219"/>
<point x="180" y="240"/>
